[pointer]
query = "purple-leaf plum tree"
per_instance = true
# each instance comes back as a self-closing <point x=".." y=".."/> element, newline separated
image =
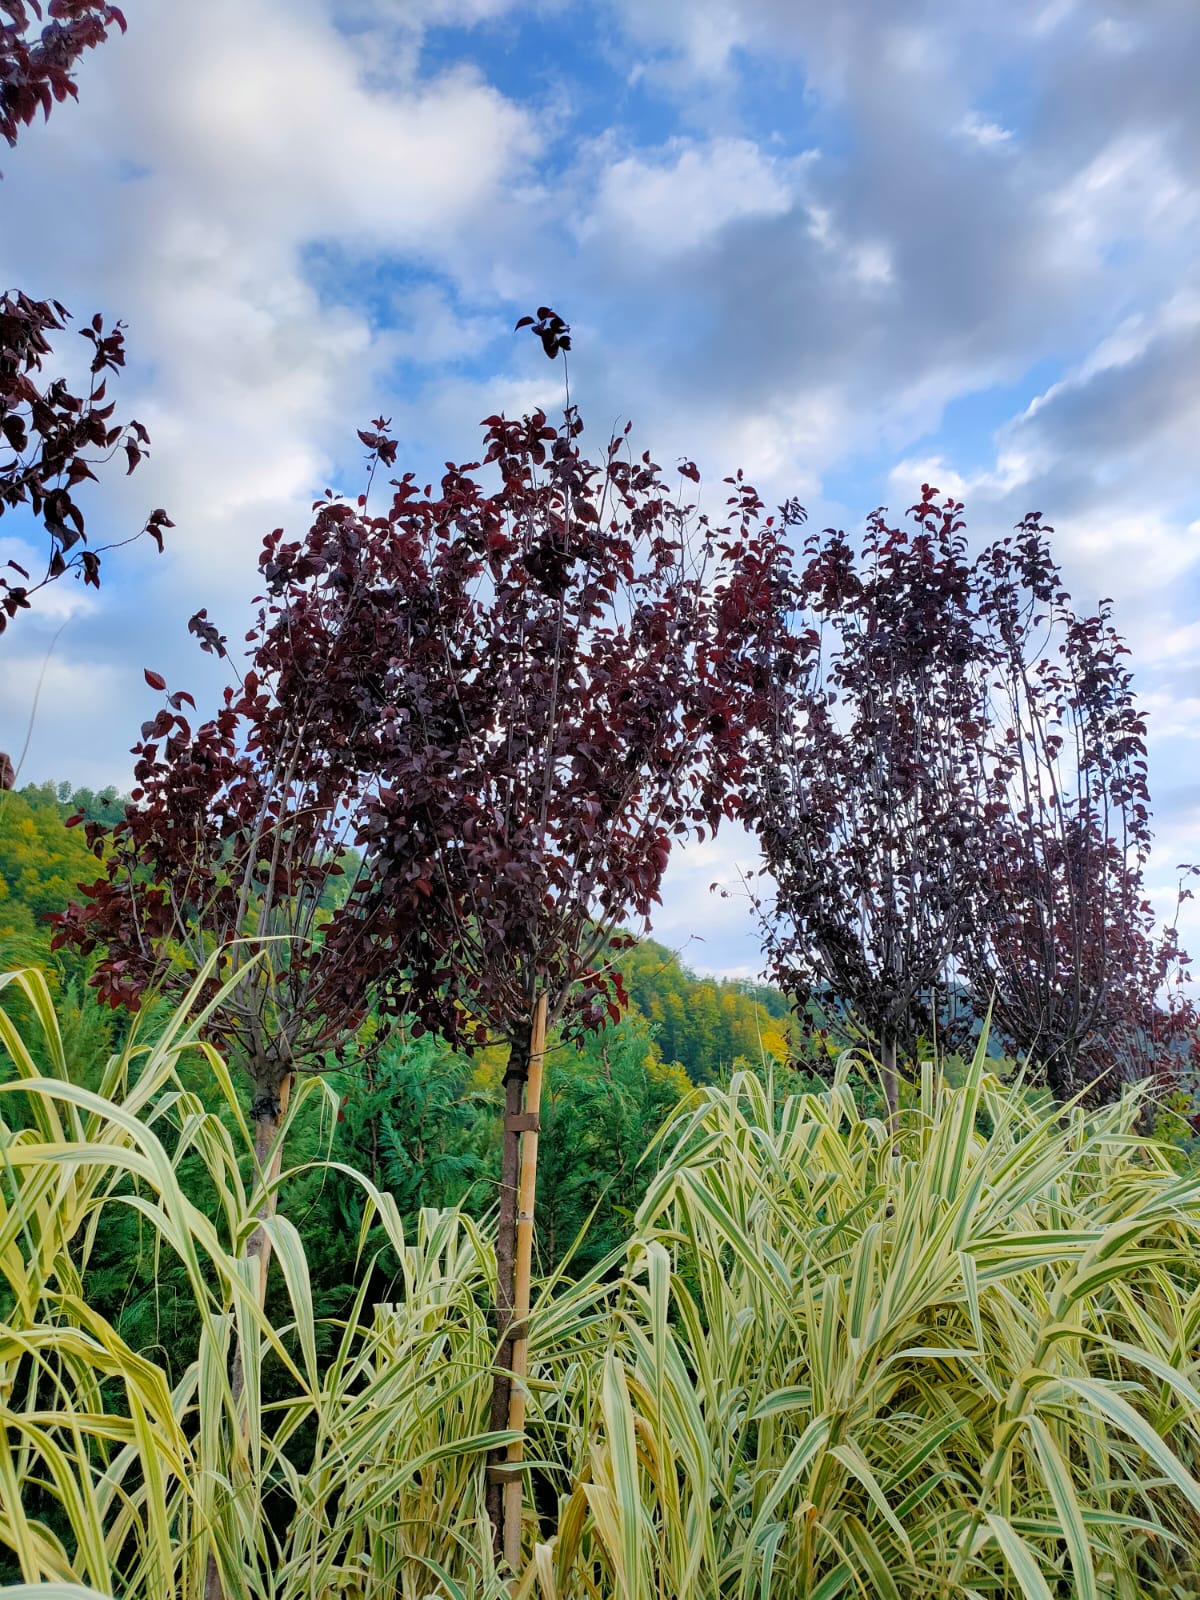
<point x="865" y="788"/>
<point x="609" y="651"/>
<point x="955" y="801"/>
<point x="510" y="694"/>
<point x="1063" y="946"/>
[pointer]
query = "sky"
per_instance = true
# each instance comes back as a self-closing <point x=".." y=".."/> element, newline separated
<point x="849" y="248"/>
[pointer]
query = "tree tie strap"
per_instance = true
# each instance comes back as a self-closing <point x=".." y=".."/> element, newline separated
<point x="522" y="1122"/>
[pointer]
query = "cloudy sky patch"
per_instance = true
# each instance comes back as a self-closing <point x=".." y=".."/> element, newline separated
<point x="846" y="247"/>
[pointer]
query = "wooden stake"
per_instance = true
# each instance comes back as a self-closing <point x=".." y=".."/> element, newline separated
<point x="258" y="1250"/>
<point x="506" y="1271"/>
<point x="267" y="1143"/>
<point x="527" y="1195"/>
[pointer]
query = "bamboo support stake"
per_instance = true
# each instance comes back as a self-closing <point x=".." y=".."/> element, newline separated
<point x="506" y="1267"/>
<point x="258" y="1249"/>
<point x="268" y="1153"/>
<point x="527" y="1195"/>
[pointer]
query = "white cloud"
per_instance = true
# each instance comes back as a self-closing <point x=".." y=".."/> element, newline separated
<point x="1172" y="718"/>
<point x="674" y="204"/>
<point x="58" y="602"/>
<point x="1129" y="188"/>
<point x="39" y="681"/>
<point x="187" y="192"/>
<point x="906" y="477"/>
<point x="1176" y="644"/>
<point x="872" y="265"/>
<point x="781" y="447"/>
<point x="706" y="916"/>
<point x="251" y="159"/>
<point x="1115" y="34"/>
<point x="991" y="135"/>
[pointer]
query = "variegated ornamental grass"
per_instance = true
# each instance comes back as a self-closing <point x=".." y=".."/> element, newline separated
<point x="109" y="1478"/>
<point x="834" y="1359"/>
<point x="937" y="1364"/>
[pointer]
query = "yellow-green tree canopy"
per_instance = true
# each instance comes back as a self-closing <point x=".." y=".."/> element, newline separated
<point x="42" y="861"/>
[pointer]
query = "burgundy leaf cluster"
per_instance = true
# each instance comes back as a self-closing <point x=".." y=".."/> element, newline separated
<point x="37" y="64"/>
<point x="549" y="327"/>
<point x="50" y="437"/>
<point x="239" y="828"/>
<point x="602" y="654"/>
<point x="509" y="702"/>
<point x="1063" y="936"/>
<point x="863" y="790"/>
<point x="231" y="833"/>
<point x="955" y="801"/>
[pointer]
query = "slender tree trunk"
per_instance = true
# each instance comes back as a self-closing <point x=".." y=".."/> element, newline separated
<point x="374" y="1124"/>
<point x="269" y="1110"/>
<point x="514" y="1256"/>
<point x="891" y="1077"/>
<point x="1060" y="1075"/>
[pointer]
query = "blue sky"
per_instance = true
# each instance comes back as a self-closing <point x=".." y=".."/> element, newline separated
<point x="847" y="247"/>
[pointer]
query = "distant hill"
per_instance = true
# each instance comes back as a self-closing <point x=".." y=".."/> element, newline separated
<point x="705" y="1024"/>
<point x="42" y="860"/>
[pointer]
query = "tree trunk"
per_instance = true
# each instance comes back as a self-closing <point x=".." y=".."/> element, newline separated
<point x="269" y="1108"/>
<point x="514" y="1258"/>
<point x="891" y="1078"/>
<point x="1060" y="1075"/>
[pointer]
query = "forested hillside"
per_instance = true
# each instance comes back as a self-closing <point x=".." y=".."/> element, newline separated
<point x="42" y="860"/>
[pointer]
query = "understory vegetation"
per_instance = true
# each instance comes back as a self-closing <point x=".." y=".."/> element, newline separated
<point x="830" y="1355"/>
